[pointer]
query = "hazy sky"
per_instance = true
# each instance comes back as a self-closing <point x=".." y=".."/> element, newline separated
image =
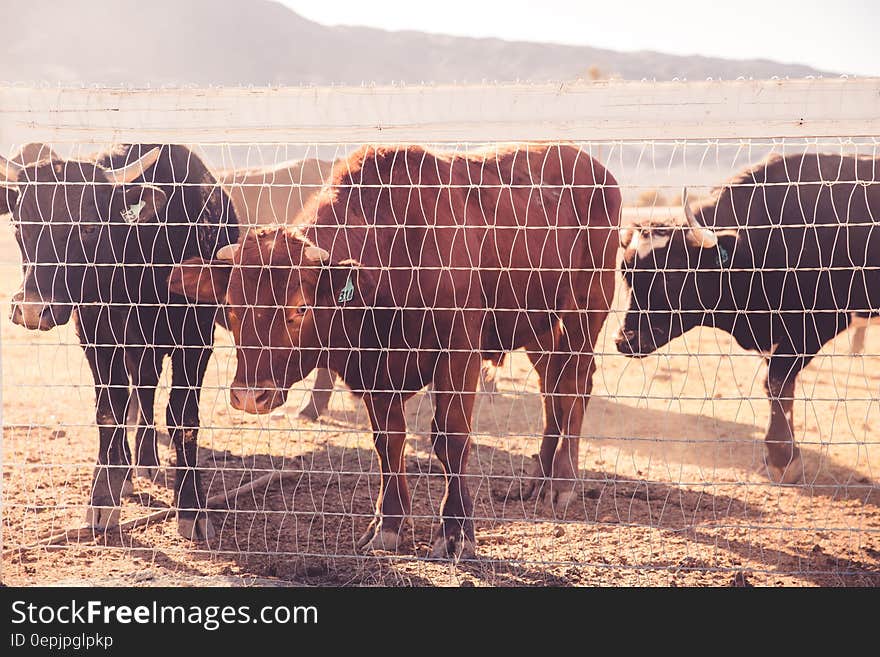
<point x="839" y="35"/>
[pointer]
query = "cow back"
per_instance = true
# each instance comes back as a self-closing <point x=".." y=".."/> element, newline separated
<point x="807" y="240"/>
<point x="502" y="239"/>
<point x="276" y="194"/>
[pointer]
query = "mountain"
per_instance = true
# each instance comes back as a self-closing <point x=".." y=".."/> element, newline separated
<point x="259" y="42"/>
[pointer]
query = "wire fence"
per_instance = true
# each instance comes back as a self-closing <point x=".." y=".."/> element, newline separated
<point x="494" y="345"/>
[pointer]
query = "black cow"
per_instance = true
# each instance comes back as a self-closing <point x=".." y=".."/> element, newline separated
<point x="793" y="254"/>
<point x="98" y="239"/>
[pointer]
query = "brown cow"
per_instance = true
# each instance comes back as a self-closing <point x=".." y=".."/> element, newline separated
<point x="275" y="195"/>
<point x="410" y="268"/>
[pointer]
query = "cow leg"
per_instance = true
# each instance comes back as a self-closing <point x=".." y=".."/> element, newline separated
<point x="564" y="416"/>
<point x="144" y="367"/>
<point x="566" y="385"/>
<point x="455" y="382"/>
<point x="393" y="503"/>
<point x="575" y="365"/>
<point x="566" y="372"/>
<point x="319" y="397"/>
<point x="783" y="458"/>
<point x="543" y="466"/>
<point x="112" y="476"/>
<point x="188" y="366"/>
<point x="540" y="353"/>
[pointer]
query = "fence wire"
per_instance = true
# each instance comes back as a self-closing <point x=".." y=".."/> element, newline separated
<point x="652" y="395"/>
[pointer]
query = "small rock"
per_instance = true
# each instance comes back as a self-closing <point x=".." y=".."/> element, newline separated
<point x="466" y="583"/>
<point x="58" y="433"/>
<point x="559" y="532"/>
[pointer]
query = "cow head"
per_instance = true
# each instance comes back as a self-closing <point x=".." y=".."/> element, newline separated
<point x="285" y="300"/>
<point x="673" y="273"/>
<point x="67" y="216"/>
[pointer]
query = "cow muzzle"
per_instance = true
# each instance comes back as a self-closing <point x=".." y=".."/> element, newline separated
<point x="38" y="314"/>
<point x="629" y="343"/>
<point x="259" y="399"/>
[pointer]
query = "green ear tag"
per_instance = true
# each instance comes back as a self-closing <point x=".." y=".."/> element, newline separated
<point x="347" y="293"/>
<point x="133" y="212"/>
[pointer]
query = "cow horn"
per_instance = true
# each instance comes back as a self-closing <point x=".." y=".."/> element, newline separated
<point x="227" y="253"/>
<point x="9" y="170"/>
<point x="701" y="236"/>
<point x="317" y="254"/>
<point x="131" y="171"/>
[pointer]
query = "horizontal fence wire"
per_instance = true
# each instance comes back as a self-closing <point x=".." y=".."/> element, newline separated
<point x="629" y="389"/>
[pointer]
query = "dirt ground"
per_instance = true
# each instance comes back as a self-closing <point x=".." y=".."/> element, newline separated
<point x="672" y="489"/>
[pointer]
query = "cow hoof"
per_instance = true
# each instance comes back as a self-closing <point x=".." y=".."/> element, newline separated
<point x="196" y="528"/>
<point x="102" y="518"/>
<point x="387" y="541"/>
<point x="453" y="547"/>
<point x="788" y="474"/>
<point x="525" y="488"/>
<point x="527" y="491"/>
<point x="562" y="500"/>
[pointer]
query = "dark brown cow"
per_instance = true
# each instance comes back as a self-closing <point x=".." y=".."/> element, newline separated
<point x="98" y="238"/>
<point x="412" y="268"/>
<point x="782" y="258"/>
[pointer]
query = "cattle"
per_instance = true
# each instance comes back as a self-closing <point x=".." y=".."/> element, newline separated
<point x="411" y="267"/>
<point x="277" y="194"/>
<point x="97" y="239"/>
<point x="782" y="258"/>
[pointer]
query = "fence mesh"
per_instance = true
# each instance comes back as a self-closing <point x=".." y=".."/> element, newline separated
<point x="487" y="267"/>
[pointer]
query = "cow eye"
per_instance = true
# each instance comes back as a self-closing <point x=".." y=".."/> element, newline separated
<point x="301" y="310"/>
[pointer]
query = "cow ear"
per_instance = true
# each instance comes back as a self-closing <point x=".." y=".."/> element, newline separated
<point x="200" y="280"/>
<point x="143" y="203"/>
<point x="626" y="235"/>
<point x="8" y="198"/>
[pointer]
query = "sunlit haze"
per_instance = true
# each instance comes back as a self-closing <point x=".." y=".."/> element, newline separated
<point x="839" y="37"/>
